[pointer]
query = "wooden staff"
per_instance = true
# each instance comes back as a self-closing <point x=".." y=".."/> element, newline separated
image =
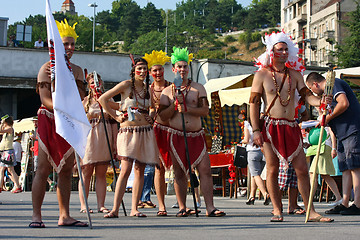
<point x="330" y="80"/>
<point x="98" y="93"/>
<point x="177" y="82"/>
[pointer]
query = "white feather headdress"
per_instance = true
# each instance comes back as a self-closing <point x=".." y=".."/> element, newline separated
<point x="266" y="59"/>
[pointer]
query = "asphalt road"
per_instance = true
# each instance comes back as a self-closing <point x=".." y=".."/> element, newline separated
<point x="242" y="222"/>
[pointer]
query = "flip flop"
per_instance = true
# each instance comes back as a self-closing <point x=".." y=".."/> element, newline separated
<point x="320" y="219"/>
<point x="139" y="215"/>
<point x="214" y="214"/>
<point x="110" y="215"/>
<point x="103" y="210"/>
<point x="297" y="211"/>
<point x="84" y="211"/>
<point x="277" y="218"/>
<point x="75" y="224"/>
<point x="162" y="213"/>
<point x="192" y="211"/>
<point x="182" y="213"/>
<point x="36" y="225"/>
<point x="149" y="204"/>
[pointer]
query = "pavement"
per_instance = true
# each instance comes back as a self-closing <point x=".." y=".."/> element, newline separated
<point x="242" y="221"/>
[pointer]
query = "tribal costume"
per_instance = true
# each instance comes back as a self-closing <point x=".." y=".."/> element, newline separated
<point x="163" y="142"/>
<point x="132" y="139"/>
<point x="97" y="150"/>
<point x="284" y="136"/>
<point x="196" y="147"/>
<point x="56" y="147"/>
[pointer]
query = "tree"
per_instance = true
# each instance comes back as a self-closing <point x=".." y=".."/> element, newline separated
<point x="126" y="14"/>
<point x="147" y="42"/>
<point x="348" y="54"/>
<point x="150" y="19"/>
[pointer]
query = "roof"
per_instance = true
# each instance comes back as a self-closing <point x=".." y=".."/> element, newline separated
<point x="68" y="2"/>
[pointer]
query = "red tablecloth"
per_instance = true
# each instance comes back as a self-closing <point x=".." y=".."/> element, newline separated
<point x="221" y="160"/>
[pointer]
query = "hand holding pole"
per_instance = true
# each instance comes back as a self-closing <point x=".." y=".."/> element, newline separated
<point x="177" y="82"/>
<point x="98" y="93"/>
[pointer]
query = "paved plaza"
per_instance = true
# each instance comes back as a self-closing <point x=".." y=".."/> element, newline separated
<point x="242" y="221"/>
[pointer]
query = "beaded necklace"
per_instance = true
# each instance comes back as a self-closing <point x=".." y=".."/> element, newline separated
<point x="279" y="71"/>
<point x="157" y="99"/>
<point x="285" y="102"/>
<point x="138" y="94"/>
<point x="185" y="89"/>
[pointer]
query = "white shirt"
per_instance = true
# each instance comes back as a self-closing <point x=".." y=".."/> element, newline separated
<point x="39" y="45"/>
<point x="18" y="150"/>
<point x="250" y="145"/>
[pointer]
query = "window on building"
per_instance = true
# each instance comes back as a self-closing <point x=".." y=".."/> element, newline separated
<point x="314" y="32"/>
<point x="304" y="10"/>
<point x="290" y="13"/>
<point x="333" y="24"/>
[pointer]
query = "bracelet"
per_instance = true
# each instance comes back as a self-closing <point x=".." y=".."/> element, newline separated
<point x="334" y="149"/>
<point x="257" y="130"/>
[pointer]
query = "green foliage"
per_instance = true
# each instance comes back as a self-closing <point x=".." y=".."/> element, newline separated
<point x="243" y="37"/>
<point x="349" y="52"/>
<point x="150" y="19"/>
<point x="232" y="49"/>
<point x="255" y="36"/>
<point x="229" y="39"/>
<point x="147" y="42"/>
<point x="126" y="21"/>
<point x="210" y="54"/>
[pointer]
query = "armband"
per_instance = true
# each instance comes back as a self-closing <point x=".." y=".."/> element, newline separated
<point x="255" y="98"/>
<point x="201" y="101"/>
<point x="257" y="130"/>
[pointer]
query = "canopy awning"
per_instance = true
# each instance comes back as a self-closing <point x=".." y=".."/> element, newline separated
<point x="228" y="83"/>
<point x="24" y="125"/>
<point x="349" y="74"/>
<point x="234" y="96"/>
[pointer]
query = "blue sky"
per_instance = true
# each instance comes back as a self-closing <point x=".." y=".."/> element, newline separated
<point x="18" y="10"/>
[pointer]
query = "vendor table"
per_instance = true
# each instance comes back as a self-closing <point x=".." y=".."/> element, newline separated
<point x="223" y="161"/>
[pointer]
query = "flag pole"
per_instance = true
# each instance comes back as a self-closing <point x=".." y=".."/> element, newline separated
<point x="83" y="188"/>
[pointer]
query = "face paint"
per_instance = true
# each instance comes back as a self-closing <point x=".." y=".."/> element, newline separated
<point x="156" y="75"/>
<point x="140" y="72"/>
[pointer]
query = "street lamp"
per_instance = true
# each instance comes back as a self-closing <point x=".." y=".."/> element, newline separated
<point x="93" y="41"/>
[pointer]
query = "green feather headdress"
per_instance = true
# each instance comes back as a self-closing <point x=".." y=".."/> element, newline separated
<point x="181" y="54"/>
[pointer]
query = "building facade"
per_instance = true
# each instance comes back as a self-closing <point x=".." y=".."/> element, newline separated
<point x="68" y="6"/>
<point x="315" y="26"/>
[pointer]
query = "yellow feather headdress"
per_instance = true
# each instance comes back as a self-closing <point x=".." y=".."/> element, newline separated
<point x="66" y="30"/>
<point x="156" y="58"/>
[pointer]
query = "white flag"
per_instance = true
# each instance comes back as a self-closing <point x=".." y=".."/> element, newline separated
<point x="70" y="117"/>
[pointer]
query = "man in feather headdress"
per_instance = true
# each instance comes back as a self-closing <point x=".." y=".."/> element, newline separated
<point x="191" y="101"/>
<point x="275" y="82"/>
<point x="54" y="151"/>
